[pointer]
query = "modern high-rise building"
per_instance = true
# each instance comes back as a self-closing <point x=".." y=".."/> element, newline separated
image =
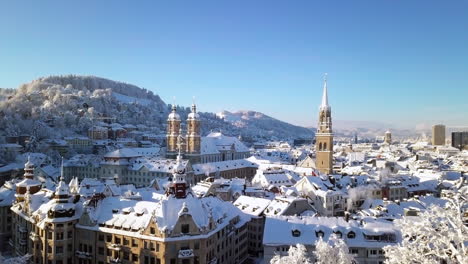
<point x="460" y="140"/>
<point x="438" y="135"/>
<point x="324" y="136"/>
<point x="388" y="137"/>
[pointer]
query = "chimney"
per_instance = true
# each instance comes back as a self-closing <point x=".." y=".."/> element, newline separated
<point x="347" y="215"/>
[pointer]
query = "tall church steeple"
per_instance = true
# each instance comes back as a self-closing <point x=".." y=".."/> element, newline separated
<point x="324" y="135"/>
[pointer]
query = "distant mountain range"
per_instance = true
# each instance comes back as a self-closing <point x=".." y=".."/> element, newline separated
<point x="58" y="106"/>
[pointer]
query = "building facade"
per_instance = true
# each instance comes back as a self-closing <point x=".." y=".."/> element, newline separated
<point x="388" y="137"/>
<point x="460" y="140"/>
<point x="324" y="136"/>
<point x="438" y="135"/>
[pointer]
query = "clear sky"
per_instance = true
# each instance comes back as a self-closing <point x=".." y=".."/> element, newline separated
<point x="400" y="62"/>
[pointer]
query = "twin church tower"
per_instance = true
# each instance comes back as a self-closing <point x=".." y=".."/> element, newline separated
<point x="188" y="144"/>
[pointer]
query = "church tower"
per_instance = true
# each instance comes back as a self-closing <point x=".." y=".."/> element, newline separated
<point x="173" y="132"/>
<point x="324" y="135"/>
<point x="193" y="138"/>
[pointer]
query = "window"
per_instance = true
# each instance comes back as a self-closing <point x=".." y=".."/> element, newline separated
<point x="152" y="230"/>
<point x="101" y="237"/>
<point x="296" y="233"/>
<point x="134" y="257"/>
<point x="109" y="238"/>
<point x="186" y="228"/>
<point x="351" y="234"/>
<point x="58" y="250"/>
<point x="319" y="233"/>
<point x="100" y="250"/>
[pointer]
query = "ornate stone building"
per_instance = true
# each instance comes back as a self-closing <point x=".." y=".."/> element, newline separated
<point x="44" y="223"/>
<point x="173" y="227"/>
<point x="324" y="136"/>
<point x="215" y="147"/>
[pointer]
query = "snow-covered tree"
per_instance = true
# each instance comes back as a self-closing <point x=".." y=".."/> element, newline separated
<point x="335" y="251"/>
<point x="297" y="254"/>
<point x="438" y="235"/>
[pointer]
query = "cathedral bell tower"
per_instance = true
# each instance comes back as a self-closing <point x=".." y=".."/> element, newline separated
<point x="324" y="135"/>
<point x="193" y="138"/>
<point x="173" y="132"/>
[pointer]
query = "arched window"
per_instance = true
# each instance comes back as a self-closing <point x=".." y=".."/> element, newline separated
<point x="320" y="146"/>
<point x="324" y="146"/>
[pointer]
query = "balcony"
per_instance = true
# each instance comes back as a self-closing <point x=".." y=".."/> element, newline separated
<point x="115" y="260"/>
<point x="83" y="255"/>
<point x="117" y="247"/>
<point x="186" y="253"/>
<point x="34" y="237"/>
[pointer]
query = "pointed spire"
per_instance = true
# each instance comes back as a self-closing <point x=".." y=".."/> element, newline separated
<point x="324" y="104"/>
<point x="194" y="106"/>
<point x="61" y="170"/>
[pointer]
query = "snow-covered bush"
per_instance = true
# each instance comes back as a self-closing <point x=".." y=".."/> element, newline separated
<point x="297" y="254"/>
<point x="335" y="251"/>
<point x="438" y="235"/>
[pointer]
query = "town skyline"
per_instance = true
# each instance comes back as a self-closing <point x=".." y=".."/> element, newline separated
<point x="404" y="73"/>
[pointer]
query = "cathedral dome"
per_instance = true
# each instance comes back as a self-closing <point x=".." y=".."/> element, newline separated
<point x="173" y="116"/>
<point x="193" y="116"/>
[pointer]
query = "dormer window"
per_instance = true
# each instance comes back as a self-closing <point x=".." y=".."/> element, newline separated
<point x="319" y="233"/>
<point x="185" y="228"/>
<point x="351" y="234"/>
<point x="296" y="233"/>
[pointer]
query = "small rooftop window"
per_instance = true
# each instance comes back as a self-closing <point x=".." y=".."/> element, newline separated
<point x="296" y="233"/>
<point x="319" y="233"/>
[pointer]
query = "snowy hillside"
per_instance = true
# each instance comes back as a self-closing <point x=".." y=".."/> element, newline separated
<point x="256" y="121"/>
<point x="58" y="106"/>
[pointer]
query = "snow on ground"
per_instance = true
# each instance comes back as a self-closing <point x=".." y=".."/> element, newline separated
<point x="129" y="100"/>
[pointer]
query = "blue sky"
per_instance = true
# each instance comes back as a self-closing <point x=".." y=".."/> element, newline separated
<point x="399" y="62"/>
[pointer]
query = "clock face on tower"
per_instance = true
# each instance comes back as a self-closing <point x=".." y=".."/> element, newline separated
<point x="181" y="171"/>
